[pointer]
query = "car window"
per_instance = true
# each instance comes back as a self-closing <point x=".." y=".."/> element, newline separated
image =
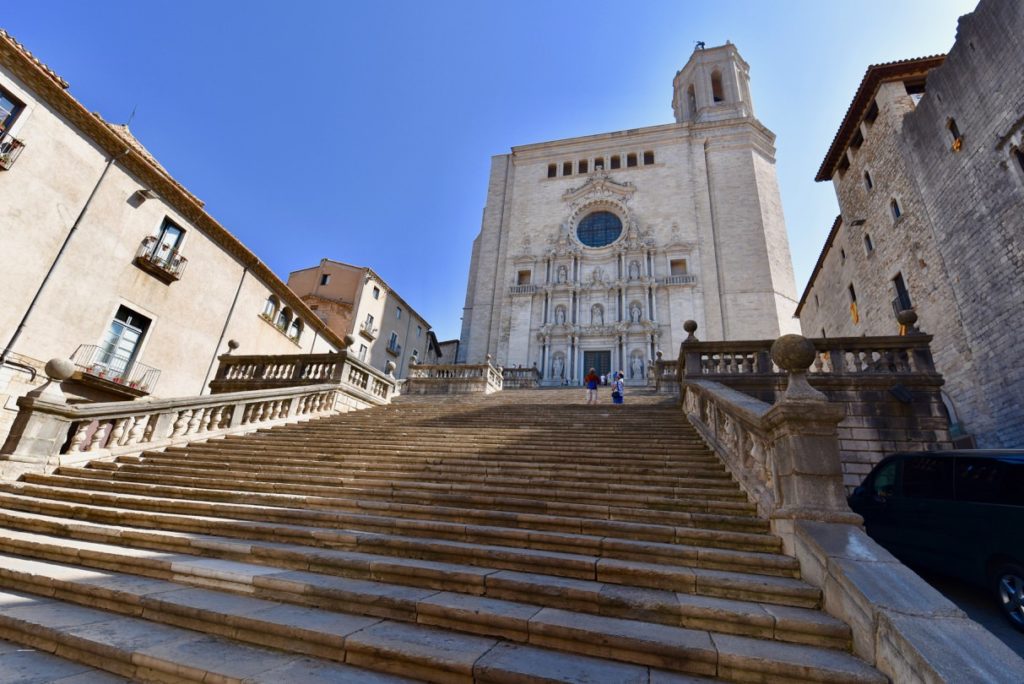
<point x="884" y="484"/>
<point x="990" y="480"/>
<point x="928" y="477"/>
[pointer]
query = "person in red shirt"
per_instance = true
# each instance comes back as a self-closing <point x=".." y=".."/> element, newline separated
<point x="591" y="382"/>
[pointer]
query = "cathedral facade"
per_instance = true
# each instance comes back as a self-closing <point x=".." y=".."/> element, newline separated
<point x="594" y="250"/>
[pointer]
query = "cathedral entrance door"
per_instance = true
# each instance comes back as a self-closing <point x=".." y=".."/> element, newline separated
<point x="598" y="360"/>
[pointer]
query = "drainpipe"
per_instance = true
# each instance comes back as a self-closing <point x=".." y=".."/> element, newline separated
<point x="56" y="260"/>
<point x="224" y="330"/>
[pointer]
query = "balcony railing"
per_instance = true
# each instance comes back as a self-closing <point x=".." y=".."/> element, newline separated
<point x="394" y="349"/>
<point x="684" y="279"/>
<point x="522" y="289"/>
<point x="367" y="330"/>
<point x="103" y="364"/>
<point x="158" y="259"/>
<point x="10" y="149"/>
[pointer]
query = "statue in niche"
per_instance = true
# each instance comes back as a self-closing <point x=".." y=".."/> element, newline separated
<point x="596" y="315"/>
<point x="634" y="270"/>
<point x="563" y="274"/>
<point x="635" y="313"/>
<point x="556" y="367"/>
<point x="559" y="315"/>
<point x="597" y="275"/>
<point x="637" y="368"/>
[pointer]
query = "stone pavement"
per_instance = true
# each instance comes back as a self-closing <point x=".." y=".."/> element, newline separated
<point x="516" y="537"/>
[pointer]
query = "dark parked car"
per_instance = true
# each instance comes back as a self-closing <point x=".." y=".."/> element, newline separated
<point x="958" y="513"/>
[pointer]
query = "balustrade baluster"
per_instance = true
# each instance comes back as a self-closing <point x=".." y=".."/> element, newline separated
<point x="119" y="427"/>
<point x="97" y="437"/>
<point x="79" y="438"/>
<point x="135" y="434"/>
<point x="204" y="421"/>
<point x="194" y="421"/>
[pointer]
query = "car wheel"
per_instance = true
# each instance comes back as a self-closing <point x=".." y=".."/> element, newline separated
<point x="1010" y="593"/>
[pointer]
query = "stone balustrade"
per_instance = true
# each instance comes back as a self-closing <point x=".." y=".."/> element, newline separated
<point x="454" y="378"/>
<point x="49" y="432"/>
<point x="520" y="378"/>
<point x="887" y="386"/>
<point x="662" y="374"/>
<point x="237" y="373"/>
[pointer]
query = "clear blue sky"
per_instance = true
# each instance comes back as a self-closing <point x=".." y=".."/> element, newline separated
<point x="363" y="131"/>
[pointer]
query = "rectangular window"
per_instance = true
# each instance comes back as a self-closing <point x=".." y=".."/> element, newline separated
<point x="121" y="341"/>
<point x="376" y="293"/>
<point x="325" y="278"/>
<point x="648" y="157"/>
<point x="599" y="163"/>
<point x="616" y="162"/>
<point x="9" y="110"/>
<point x="902" y="294"/>
<point x="631" y="159"/>
<point x="552" y="170"/>
<point x="419" y="331"/>
<point x="369" y="321"/>
<point x="583" y="165"/>
<point x="362" y="352"/>
<point x="677" y="267"/>
<point x="393" y="340"/>
<point x="566" y="168"/>
<point x="523" y="278"/>
<point x="398" y="312"/>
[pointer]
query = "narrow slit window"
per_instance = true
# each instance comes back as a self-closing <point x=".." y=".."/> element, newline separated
<point x="868" y="183"/>
<point x="894" y="207"/>
<point x="954" y="130"/>
<point x="631" y="159"/>
<point x="869" y="247"/>
<point x="902" y="302"/>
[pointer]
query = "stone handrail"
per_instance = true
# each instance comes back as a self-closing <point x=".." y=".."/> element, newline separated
<point x="785" y="455"/>
<point x="663" y="374"/>
<point x="520" y="378"/>
<point x="239" y="372"/>
<point x="453" y="378"/>
<point x="889" y="355"/>
<point x="49" y="432"/>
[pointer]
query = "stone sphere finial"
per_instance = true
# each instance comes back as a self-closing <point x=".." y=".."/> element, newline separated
<point x="690" y="327"/>
<point x="233" y="345"/>
<point x="908" y="319"/>
<point x="389" y="368"/>
<point x="795" y="354"/>
<point x="488" y="358"/>
<point x="658" y="354"/>
<point x="348" y="341"/>
<point x="59" y="369"/>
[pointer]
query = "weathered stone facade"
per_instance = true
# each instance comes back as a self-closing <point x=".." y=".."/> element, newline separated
<point x="693" y="229"/>
<point x="947" y="156"/>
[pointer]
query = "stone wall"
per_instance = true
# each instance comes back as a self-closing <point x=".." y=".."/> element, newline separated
<point x="975" y="199"/>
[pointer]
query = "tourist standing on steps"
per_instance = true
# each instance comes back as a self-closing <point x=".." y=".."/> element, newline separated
<point x="617" y="392"/>
<point x="591" y="382"/>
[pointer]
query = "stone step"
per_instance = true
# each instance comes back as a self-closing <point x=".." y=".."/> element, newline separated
<point x="666" y="498"/>
<point x="588" y="481"/>
<point x="665" y="533"/>
<point x="520" y="549"/>
<point x="21" y="664"/>
<point x="654" y="512"/>
<point x="144" y="651"/>
<point x="385" y="649"/>
<point x="499" y="612"/>
<point x="461" y="573"/>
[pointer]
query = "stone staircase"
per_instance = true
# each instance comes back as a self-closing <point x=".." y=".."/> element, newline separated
<point x="518" y="537"/>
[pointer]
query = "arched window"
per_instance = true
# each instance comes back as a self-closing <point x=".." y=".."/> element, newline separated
<point x="270" y="307"/>
<point x="717" y="93"/>
<point x="295" y="329"/>
<point x="284" y="318"/>
<point x="868" y="183"/>
<point x="894" y="207"/>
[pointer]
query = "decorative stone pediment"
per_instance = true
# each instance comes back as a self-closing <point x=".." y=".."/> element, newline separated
<point x="600" y="186"/>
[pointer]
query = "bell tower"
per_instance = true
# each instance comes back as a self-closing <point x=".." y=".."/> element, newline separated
<point x="714" y="85"/>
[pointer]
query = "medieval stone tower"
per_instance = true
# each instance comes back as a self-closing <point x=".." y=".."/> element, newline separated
<point x="594" y="250"/>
